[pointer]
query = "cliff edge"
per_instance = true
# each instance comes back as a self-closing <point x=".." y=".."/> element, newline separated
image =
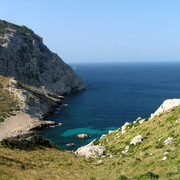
<point x="38" y="77"/>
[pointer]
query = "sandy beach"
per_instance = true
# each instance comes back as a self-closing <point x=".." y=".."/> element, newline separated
<point x="20" y="124"/>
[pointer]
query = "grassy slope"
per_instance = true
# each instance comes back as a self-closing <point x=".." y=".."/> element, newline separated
<point x="51" y="163"/>
<point x="8" y="102"/>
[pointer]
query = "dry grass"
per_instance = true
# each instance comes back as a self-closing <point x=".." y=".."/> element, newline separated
<point x="50" y="163"/>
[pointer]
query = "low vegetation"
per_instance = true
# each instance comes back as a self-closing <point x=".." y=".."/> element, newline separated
<point x="8" y="103"/>
<point x="5" y="24"/>
<point x="143" y="161"/>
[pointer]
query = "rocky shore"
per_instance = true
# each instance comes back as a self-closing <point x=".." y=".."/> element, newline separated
<point x="21" y="124"/>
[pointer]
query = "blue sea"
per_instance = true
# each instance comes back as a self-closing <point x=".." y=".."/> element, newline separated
<point x="116" y="93"/>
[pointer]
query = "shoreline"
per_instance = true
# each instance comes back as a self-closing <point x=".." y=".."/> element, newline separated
<point x="20" y="125"/>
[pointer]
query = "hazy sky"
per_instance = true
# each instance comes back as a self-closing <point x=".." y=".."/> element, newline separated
<point x="102" y="30"/>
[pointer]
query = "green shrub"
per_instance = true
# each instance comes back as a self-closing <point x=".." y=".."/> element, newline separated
<point x="122" y="177"/>
<point x="146" y="176"/>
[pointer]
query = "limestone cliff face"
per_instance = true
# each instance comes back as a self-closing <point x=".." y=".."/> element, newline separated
<point x="24" y="57"/>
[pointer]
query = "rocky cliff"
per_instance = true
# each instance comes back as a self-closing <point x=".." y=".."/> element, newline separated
<point x="38" y="76"/>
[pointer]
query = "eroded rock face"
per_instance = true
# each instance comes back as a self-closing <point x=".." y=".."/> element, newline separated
<point x="24" y="57"/>
<point x="91" y="150"/>
<point x="167" y="104"/>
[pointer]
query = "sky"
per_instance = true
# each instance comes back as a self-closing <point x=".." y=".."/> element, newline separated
<point x="102" y="30"/>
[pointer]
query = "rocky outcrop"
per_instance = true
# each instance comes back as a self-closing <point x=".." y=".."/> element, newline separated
<point x="124" y="127"/>
<point x="91" y="150"/>
<point x="167" y="104"/>
<point x="41" y="76"/>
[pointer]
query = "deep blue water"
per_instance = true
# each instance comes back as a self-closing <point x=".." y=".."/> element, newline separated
<point x="115" y="93"/>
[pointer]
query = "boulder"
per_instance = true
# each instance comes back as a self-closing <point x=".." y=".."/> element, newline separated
<point x="141" y="121"/>
<point x="82" y="136"/>
<point x="167" y="104"/>
<point x="168" y="141"/>
<point x="136" y="140"/>
<point x="110" y="131"/>
<point x="126" y="149"/>
<point x="103" y="135"/>
<point x="164" y="158"/>
<point x="91" y="150"/>
<point x="70" y="144"/>
<point x="177" y="121"/>
<point x="124" y="127"/>
<point x="166" y="153"/>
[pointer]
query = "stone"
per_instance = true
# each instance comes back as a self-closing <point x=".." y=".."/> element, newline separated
<point x="103" y="135"/>
<point x="139" y="118"/>
<point x="91" y="150"/>
<point x="100" y="161"/>
<point x="126" y="149"/>
<point x="164" y="158"/>
<point x="110" y="132"/>
<point x="166" y="153"/>
<point x="167" y="104"/>
<point x="160" y="138"/>
<point x="124" y="127"/>
<point x="82" y="136"/>
<point x="168" y="141"/>
<point x="141" y="121"/>
<point x="70" y="144"/>
<point x="177" y="121"/>
<point x="136" y="140"/>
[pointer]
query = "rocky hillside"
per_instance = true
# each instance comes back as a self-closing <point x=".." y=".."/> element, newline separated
<point x="145" y="149"/>
<point x="37" y="75"/>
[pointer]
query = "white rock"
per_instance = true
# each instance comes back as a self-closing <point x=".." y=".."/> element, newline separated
<point x="100" y="161"/>
<point x="124" y="127"/>
<point x="166" y="153"/>
<point x="139" y="118"/>
<point x="164" y="158"/>
<point x="160" y="138"/>
<point x="168" y="141"/>
<point x="177" y="121"/>
<point x="110" y="132"/>
<point x="126" y="149"/>
<point x="141" y="121"/>
<point x="136" y="139"/>
<point x="167" y="104"/>
<point x="103" y="135"/>
<point x="91" y="150"/>
<point x="82" y="136"/>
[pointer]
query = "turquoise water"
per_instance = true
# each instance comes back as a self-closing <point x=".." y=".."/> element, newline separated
<point x="115" y="93"/>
